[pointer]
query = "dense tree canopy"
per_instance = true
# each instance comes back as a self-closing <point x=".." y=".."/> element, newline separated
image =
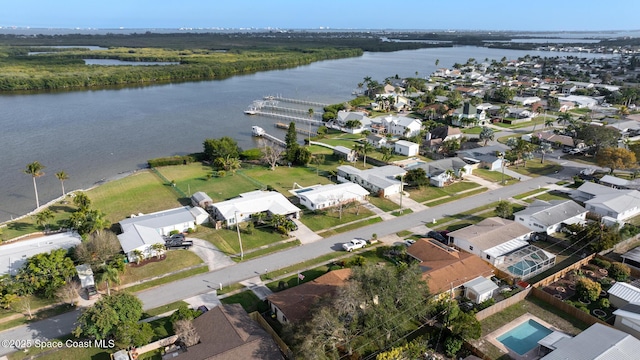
<point x="45" y="273"/>
<point x="115" y="317"/>
<point x="357" y="320"/>
<point x="617" y="158"/>
<point x="221" y="148"/>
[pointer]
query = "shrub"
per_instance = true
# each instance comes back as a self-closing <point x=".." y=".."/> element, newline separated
<point x="171" y="160"/>
<point x="604" y="303"/>
<point x="356" y="261"/>
<point x="191" y="230"/>
<point x="487" y="303"/>
<point x="452" y="345"/>
<point x="251" y="154"/>
<point x="601" y="263"/>
<point x="173" y="232"/>
<point x="334" y="267"/>
<point x="619" y="271"/>
<point x="588" y="289"/>
<point x="605" y="281"/>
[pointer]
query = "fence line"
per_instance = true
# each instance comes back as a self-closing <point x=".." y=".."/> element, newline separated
<point x="171" y="184"/>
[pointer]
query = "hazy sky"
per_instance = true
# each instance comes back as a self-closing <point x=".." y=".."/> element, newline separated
<point x="551" y="15"/>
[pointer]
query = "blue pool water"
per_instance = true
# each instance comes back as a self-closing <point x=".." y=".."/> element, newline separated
<point x="520" y="267"/>
<point x="524" y="337"/>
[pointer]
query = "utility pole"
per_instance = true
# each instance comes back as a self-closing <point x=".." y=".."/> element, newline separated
<point x="235" y="214"/>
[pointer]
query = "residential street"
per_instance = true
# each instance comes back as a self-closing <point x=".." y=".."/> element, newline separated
<point x="204" y="283"/>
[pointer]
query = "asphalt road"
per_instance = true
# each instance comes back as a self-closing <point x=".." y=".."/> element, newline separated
<point x="203" y="283"/>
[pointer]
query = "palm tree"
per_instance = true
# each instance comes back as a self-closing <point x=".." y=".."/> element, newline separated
<point x="318" y="159"/>
<point x="139" y="255"/>
<point x="259" y="217"/>
<point x="158" y="249"/>
<point x="504" y="110"/>
<point x="110" y="275"/>
<point x="548" y="122"/>
<point x="62" y="176"/>
<point x="365" y="148"/>
<point x="564" y="118"/>
<point x="387" y="153"/>
<point x="43" y="218"/>
<point x="35" y="170"/>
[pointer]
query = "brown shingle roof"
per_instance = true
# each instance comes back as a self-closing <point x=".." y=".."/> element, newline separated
<point x="444" y="267"/>
<point x="228" y="333"/>
<point x="296" y="302"/>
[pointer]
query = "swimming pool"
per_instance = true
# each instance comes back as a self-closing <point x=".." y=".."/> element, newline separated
<point x="524" y="337"/>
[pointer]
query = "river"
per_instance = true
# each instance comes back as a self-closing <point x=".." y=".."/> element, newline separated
<point x="95" y="135"/>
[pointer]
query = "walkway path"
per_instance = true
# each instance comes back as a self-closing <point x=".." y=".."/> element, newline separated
<point x="376" y="210"/>
<point x="407" y="203"/>
<point x="486" y="183"/>
<point x="211" y="255"/>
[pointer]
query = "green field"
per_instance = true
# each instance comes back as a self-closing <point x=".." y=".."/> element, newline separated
<point x="495" y="176"/>
<point x="327" y="219"/>
<point x="174" y="261"/>
<point x="142" y="192"/>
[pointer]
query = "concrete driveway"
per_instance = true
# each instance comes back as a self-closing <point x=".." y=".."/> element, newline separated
<point x="211" y="255"/>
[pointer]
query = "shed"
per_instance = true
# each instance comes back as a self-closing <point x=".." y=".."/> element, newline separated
<point x="479" y="289"/>
<point x="622" y="294"/>
<point x="406" y="148"/>
<point x="201" y="199"/>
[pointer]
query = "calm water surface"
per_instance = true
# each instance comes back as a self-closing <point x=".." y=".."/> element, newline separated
<point x="98" y="134"/>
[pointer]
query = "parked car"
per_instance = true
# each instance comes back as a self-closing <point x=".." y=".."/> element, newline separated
<point x="575" y="151"/>
<point x="409" y="242"/>
<point x="354" y="245"/>
<point x="92" y="293"/>
<point x="178" y="244"/>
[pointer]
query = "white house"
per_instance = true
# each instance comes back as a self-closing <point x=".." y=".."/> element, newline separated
<point x="525" y="100"/>
<point x="377" y="140"/>
<point x="241" y="208"/>
<point x="345" y="153"/>
<point x="380" y="180"/>
<point x="401" y="125"/>
<point x="549" y="217"/>
<point x="597" y="342"/>
<point x="479" y="289"/>
<point x="166" y="221"/>
<point x="406" y="148"/>
<point x="142" y="232"/>
<point x="580" y="101"/>
<point x="491" y="239"/>
<point x="485" y="157"/>
<point x="324" y="196"/>
<point x="617" y="204"/>
<point x="438" y="171"/>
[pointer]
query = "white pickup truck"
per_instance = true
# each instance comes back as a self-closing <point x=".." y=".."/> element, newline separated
<point x="354" y="245"/>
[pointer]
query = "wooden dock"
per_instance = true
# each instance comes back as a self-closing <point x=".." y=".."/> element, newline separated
<point x="304" y="132"/>
<point x="298" y="119"/>
<point x="295" y="101"/>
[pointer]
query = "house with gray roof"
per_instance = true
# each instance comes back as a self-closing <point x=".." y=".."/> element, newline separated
<point x="485" y="157"/>
<point x="619" y="183"/>
<point x="324" y="196"/>
<point x="622" y="293"/>
<point x="491" y="239"/>
<point x="345" y="153"/>
<point x="597" y="342"/>
<point x="549" y="217"/>
<point x="437" y="171"/>
<point x="479" y="289"/>
<point x="379" y="180"/>
<point x="201" y="199"/>
<point x="614" y="205"/>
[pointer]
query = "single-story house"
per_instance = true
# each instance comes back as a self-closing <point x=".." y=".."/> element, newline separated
<point x="406" y="148"/>
<point x="240" y="209"/>
<point x="549" y="217"/>
<point x="617" y="204"/>
<point x="443" y="133"/>
<point x="555" y="139"/>
<point x="597" y="342"/>
<point x="622" y="293"/>
<point x="479" y="289"/>
<point x="201" y="199"/>
<point x="379" y="180"/>
<point x="344" y="116"/>
<point x="295" y="304"/>
<point x="166" y="221"/>
<point x="619" y="183"/>
<point x="491" y="239"/>
<point x="228" y="333"/>
<point x="325" y="196"/>
<point x="628" y="319"/>
<point x="525" y="100"/>
<point x="632" y="257"/>
<point x="345" y="153"/>
<point x="139" y="238"/>
<point x="485" y="157"/>
<point x="580" y="101"/>
<point x="444" y="268"/>
<point x="437" y="170"/>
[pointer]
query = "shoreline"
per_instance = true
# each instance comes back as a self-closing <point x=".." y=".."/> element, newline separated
<point x="102" y="181"/>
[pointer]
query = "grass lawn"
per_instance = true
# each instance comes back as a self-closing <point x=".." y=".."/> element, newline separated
<point x="539" y="120"/>
<point x="226" y="240"/>
<point x="269" y="250"/>
<point x="490" y="175"/>
<point x="529" y="305"/>
<point x="383" y="204"/>
<point x="163" y="309"/>
<point x="349" y="227"/>
<point x="553" y="195"/>
<point x="283" y="178"/>
<point x="534" y="168"/>
<point x="142" y="192"/>
<point x="249" y="301"/>
<point x="61" y="212"/>
<point x="193" y="177"/>
<point x="473" y="130"/>
<point x="504" y="139"/>
<point x="587" y="160"/>
<point x="322" y="220"/>
<point x="430" y="193"/>
<point x="37" y="315"/>
<point x="426" y="193"/>
<point x="404" y="211"/>
<point x="175" y="260"/>
<point x="529" y="193"/>
<point x="167" y="279"/>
